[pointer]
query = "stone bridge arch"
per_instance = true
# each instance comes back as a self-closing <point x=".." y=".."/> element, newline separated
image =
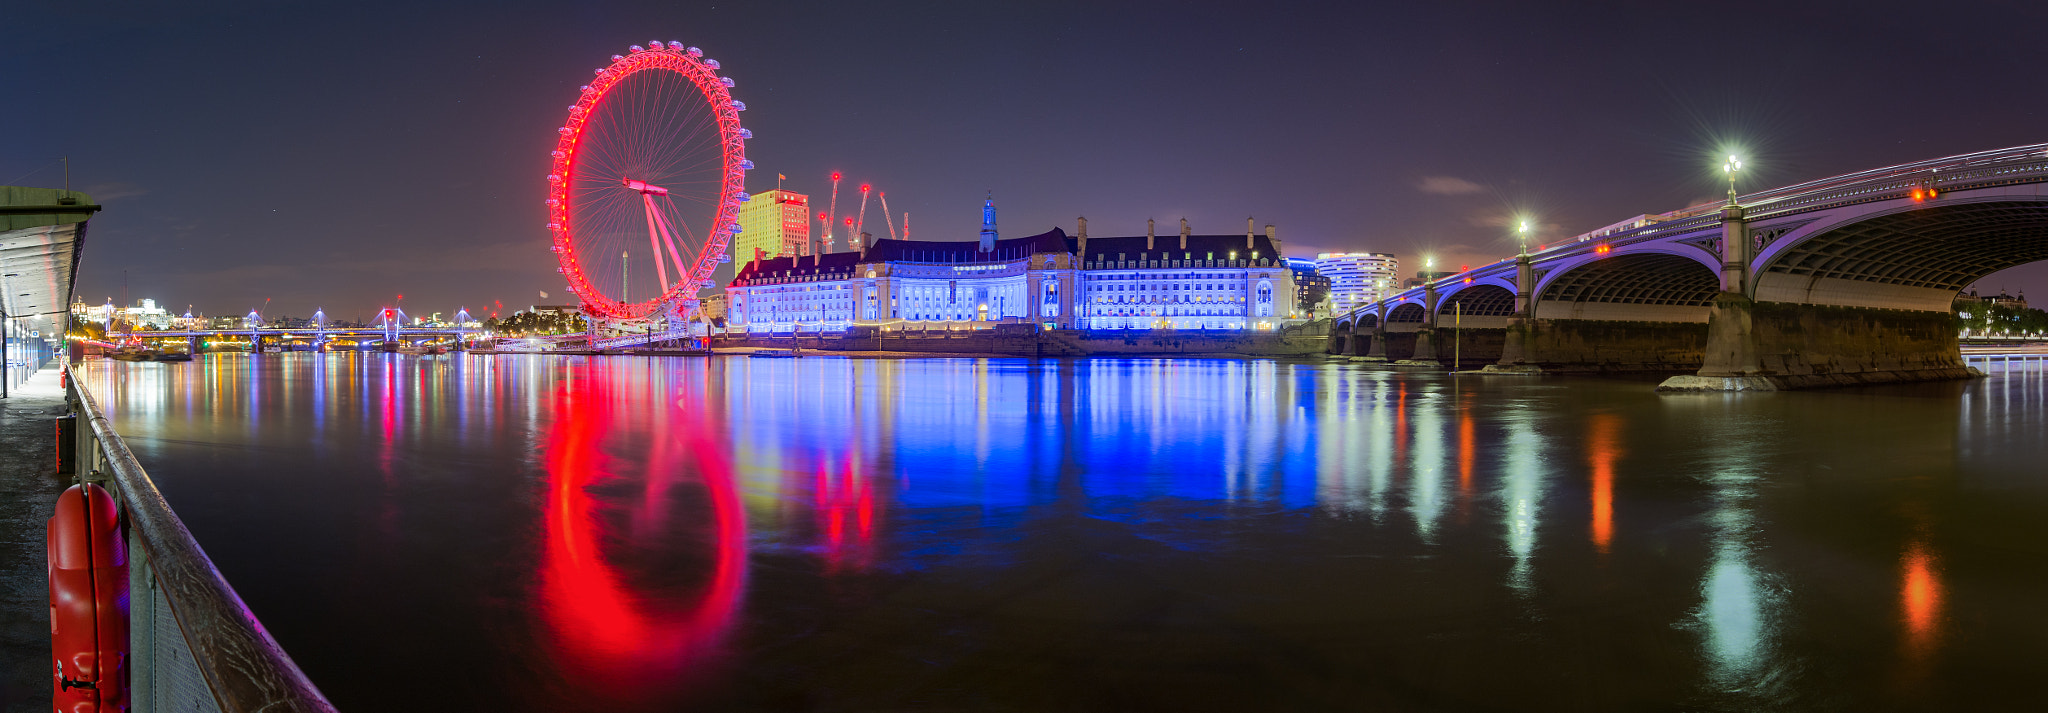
<point x="1645" y="284"/>
<point x="1485" y="305"/>
<point x="1902" y="255"/>
<point x="1340" y="339"/>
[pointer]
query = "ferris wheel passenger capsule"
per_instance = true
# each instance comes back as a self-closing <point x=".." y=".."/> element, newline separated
<point x="739" y="106"/>
<point x="712" y="63"/>
<point x="746" y="165"/>
<point x="674" y="45"/>
<point x="637" y="49"/>
<point x="655" y="44"/>
<point x="746" y="134"/>
<point x="616" y="58"/>
<point x="727" y="81"/>
<point x="694" y="52"/>
<point x="743" y="197"/>
<point x="554" y="178"/>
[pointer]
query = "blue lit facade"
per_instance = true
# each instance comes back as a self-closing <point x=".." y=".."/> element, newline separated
<point x="1197" y="282"/>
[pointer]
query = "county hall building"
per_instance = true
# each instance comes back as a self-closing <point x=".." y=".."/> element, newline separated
<point x="1184" y="281"/>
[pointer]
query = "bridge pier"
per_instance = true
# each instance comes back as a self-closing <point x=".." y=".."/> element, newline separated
<point x="1514" y="351"/>
<point x="1771" y="346"/>
<point x="1425" y="336"/>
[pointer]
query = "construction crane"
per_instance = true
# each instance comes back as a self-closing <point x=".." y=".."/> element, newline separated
<point x="884" y="196"/>
<point x="834" y="212"/>
<point x="861" y="223"/>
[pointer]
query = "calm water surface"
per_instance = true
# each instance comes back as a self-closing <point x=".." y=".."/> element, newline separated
<point x="619" y="534"/>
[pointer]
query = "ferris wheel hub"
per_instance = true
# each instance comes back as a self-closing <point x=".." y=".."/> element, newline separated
<point x="644" y="187"/>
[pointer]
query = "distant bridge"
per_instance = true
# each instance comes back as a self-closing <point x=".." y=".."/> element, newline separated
<point x="275" y="335"/>
<point x="1842" y="280"/>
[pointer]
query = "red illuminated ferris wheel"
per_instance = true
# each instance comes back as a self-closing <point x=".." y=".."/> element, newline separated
<point x="647" y="181"/>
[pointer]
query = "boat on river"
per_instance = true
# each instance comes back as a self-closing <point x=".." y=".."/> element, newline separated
<point x="775" y="353"/>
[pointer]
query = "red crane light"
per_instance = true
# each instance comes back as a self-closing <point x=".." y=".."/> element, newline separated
<point x="835" y="175"/>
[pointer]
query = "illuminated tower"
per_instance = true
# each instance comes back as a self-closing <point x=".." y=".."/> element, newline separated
<point x="777" y="222"/>
<point x="988" y="224"/>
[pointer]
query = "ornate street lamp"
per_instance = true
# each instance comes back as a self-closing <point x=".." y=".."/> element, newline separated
<point x="1733" y="166"/>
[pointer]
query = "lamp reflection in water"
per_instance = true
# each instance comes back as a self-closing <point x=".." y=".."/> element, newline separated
<point x="1602" y="447"/>
<point x="1521" y="499"/>
<point x="1425" y="472"/>
<point x="1920" y="600"/>
<point x="625" y="640"/>
<point x="1737" y="615"/>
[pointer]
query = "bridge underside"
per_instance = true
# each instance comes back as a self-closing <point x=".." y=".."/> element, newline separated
<point x="1641" y="312"/>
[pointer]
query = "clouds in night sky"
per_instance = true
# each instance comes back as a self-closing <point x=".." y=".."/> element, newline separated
<point x="334" y="154"/>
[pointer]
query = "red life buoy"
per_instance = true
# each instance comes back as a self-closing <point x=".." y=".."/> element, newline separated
<point x="88" y="563"/>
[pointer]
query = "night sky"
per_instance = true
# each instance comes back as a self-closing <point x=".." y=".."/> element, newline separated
<point x="338" y="154"/>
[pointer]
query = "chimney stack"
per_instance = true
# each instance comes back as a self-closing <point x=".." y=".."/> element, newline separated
<point x="1247" y="232"/>
<point x="1084" y="239"/>
<point x="1148" y="233"/>
<point x="1183" y="233"/>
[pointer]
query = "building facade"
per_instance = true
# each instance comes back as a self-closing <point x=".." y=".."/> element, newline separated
<point x="1358" y="278"/>
<point x="1052" y="279"/>
<point x="775" y="222"/>
<point x="1311" y="288"/>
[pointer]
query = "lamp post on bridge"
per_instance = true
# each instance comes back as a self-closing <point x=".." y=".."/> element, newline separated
<point x="1514" y="351"/>
<point x="1425" y="335"/>
<point x="1733" y="166"/>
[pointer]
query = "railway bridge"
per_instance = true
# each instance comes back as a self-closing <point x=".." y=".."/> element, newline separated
<point x="1843" y="280"/>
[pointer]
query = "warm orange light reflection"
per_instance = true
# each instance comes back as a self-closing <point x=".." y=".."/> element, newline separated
<point x="1602" y="447"/>
<point x="1920" y="597"/>
<point x="1465" y="457"/>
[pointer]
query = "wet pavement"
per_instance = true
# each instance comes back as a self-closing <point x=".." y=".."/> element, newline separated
<point x="28" y="496"/>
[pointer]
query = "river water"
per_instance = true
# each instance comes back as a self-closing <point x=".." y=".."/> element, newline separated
<point x="545" y="533"/>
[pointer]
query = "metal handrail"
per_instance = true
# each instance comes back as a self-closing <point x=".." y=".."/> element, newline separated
<point x="244" y="668"/>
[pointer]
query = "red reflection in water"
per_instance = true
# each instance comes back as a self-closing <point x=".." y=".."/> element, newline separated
<point x="1602" y="448"/>
<point x="615" y="637"/>
<point x="1920" y="598"/>
<point x="848" y="492"/>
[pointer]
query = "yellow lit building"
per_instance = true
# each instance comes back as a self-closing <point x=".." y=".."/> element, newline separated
<point x="777" y="223"/>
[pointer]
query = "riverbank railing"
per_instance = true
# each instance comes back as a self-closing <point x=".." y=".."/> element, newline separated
<point x="2008" y="362"/>
<point x="193" y="644"/>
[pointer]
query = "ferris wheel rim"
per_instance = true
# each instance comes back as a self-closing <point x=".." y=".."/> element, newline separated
<point x="716" y="91"/>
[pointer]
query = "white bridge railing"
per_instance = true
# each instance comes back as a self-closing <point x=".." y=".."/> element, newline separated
<point x="2008" y="362"/>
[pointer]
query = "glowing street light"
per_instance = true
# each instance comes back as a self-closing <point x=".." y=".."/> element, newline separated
<point x="1733" y="166"/>
<point x="1522" y="235"/>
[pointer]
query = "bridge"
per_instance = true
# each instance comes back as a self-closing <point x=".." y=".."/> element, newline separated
<point x="1844" y="280"/>
<point x="389" y="328"/>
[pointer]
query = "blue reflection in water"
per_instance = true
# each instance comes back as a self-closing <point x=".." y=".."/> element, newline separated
<point x="1234" y="505"/>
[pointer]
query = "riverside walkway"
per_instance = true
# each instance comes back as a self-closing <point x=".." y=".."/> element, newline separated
<point x="28" y="495"/>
